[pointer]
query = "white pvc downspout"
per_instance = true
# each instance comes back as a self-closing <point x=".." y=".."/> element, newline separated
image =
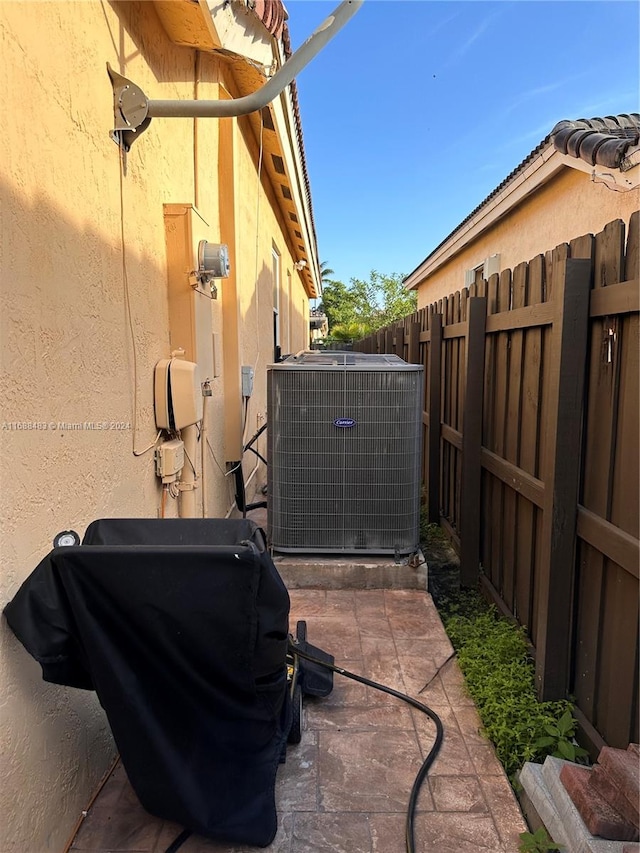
<point x="133" y="110"/>
<point x="189" y="477"/>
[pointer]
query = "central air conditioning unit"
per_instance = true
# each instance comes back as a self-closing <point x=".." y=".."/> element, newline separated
<point x="344" y="453"/>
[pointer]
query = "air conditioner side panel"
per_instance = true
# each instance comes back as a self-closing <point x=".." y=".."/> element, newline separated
<point x="353" y="488"/>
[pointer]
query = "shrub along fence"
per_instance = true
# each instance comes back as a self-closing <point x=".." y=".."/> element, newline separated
<point x="531" y="458"/>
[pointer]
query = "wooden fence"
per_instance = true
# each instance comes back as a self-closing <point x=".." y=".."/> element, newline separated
<point x="531" y="458"/>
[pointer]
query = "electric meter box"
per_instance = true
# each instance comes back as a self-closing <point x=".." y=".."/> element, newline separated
<point x="178" y="394"/>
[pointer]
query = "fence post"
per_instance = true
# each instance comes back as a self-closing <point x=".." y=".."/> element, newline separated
<point x="561" y="475"/>
<point x="470" y="498"/>
<point x="435" y="362"/>
<point x="413" y="355"/>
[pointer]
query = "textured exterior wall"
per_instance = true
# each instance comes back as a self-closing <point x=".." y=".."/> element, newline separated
<point x="264" y="231"/>
<point x="568" y="206"/>
<point x="76" y="326"/>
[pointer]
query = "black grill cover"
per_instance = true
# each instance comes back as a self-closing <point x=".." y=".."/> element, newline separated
<point x="180" y="625"/>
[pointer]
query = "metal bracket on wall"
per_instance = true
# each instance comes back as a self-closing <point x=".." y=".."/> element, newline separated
<point x="133" y="111"/>
<point x="130" y="117"/>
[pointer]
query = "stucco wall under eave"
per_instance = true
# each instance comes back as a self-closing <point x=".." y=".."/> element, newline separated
<point x="67" y="348"/>
<point x="568" y="206"/>
<point x="263" y="229"/>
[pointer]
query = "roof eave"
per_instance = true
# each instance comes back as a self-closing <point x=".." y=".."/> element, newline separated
<point x="241" y="38"/>
<point x="536" y="171"/>
<point x="605" y="149"/>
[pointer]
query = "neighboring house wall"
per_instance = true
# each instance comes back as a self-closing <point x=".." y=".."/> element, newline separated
<point x="568" y="204"/>
<point x="70" y="350"/>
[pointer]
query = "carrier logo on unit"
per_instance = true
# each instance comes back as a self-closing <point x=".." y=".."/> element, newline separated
<point x="344" y="423"/>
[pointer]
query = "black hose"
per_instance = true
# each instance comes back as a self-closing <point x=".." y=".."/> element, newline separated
<point x="241" y="497"/>
<point x="259" y="455"/>
<point x="257" y="505"/>
<point x="177" y="843"/>
<point x="241" y="502"/>
<point x="431" y="756"/>
<point x="255" y="437"/>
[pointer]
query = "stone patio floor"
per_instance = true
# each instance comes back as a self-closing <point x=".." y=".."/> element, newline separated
<point x="345" y="787"/>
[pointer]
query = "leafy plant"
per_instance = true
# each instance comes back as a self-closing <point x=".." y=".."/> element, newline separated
<point x="494" y="657"/>
<point x="537" y="842"/>
<point x="430" y="533"/>
<point x="560" y="737"/>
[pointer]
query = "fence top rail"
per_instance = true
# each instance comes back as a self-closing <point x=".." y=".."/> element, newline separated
<point x="621" y="298"/>
<point x="541" y="314"/>
<point x="455" y="330"/>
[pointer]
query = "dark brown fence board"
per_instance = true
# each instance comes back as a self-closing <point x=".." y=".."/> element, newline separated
<point x="455" y="409"/>
<point x="522" y="318"/>
<point x="618" y="720"/>
<point x="454" y="331"/>
<point x="471" y="482"/>
<point x="602" y="392"/>
<point x="517" y="479"/>
<point x="435" y="363"/>
<point x="462" y="384"/>
<point x="501" y="354"/>
<point x="452" y="436"/>
<point x="513" y="427"/>
<point x="561" y="475"/>
<point x="632" y="254"/>
<point x="401" y="340"/>
<point x="388" y="339"/>
<point x="590" y="563"/>
<point x="581" y="611"/>
<point x="557" y="256"/>
<point x="447" y="370"/>
<point x="589" y="596"/>
<point x="453" y="380"/>
<point x="488" y="427"/>
<point x="588" y="736"/>
<point x="618" y="655"/>
<point x="451" y="533"/>
<point x="413" y="347"/>
<point x="454" y="383"/>
<point x="623" y="298"/>
<point x="611" y="541"/>
<point x="625" y="509"/>
<point x="527" y="514"/>
<point x="424" y="319"/>
<point x="588" y="585"/>
<point x="445" y="448"/>
<point x="609" y="254"/>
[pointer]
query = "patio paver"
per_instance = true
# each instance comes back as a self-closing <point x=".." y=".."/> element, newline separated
<point x="345" y="787"/>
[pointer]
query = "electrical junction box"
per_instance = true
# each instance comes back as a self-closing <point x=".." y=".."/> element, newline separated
<point x="169" y="460"/>
<point x="247" y="381"/>
<point x="178" y="394"/>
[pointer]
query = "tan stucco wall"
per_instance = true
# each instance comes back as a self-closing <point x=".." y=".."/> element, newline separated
<point x="67" y="354"/>
<point x="256" y="289"/>
<point x="567" y="206"/>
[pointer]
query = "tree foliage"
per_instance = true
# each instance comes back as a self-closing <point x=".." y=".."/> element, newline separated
<point x="363" y="306"/>
<point x="325" y="272"/>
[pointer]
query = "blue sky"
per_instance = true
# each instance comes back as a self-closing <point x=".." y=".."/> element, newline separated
<point x="417" y="110"/>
